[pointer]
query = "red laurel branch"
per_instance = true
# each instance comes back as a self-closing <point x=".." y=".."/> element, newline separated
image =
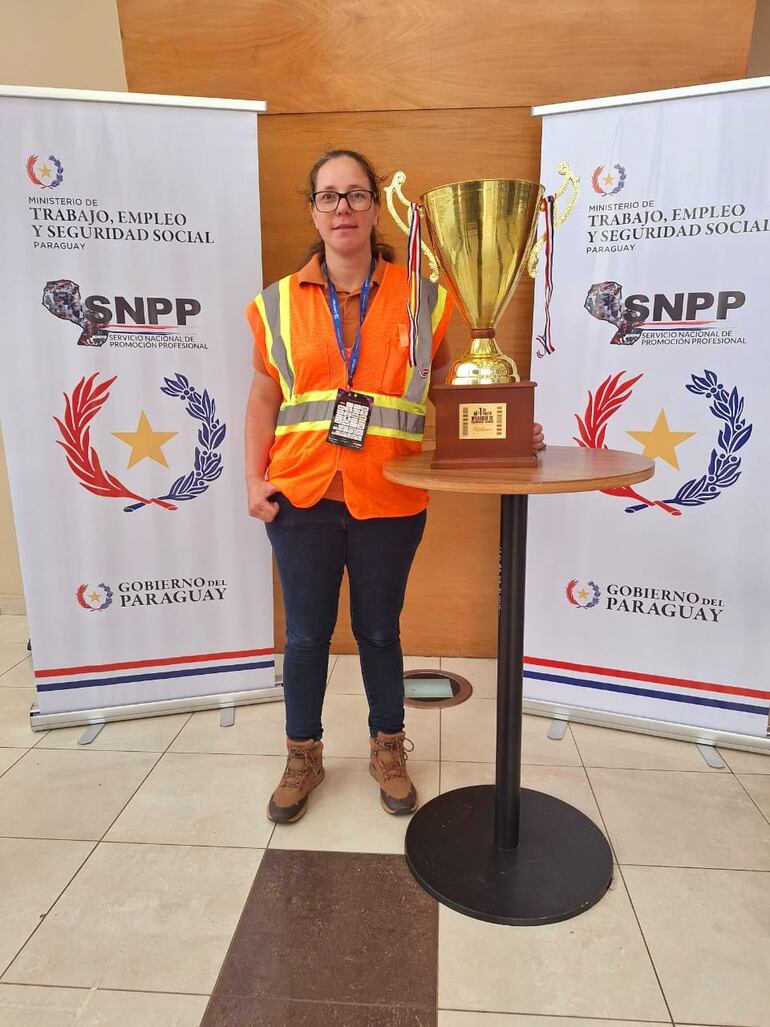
<point x="595" y="180"/>
<point x="568" y="591"/>
<point x="81" y="407"/>
<point x="81" y="597"/>
<point x="592" y="427"/>
<point x="31" y="170"/>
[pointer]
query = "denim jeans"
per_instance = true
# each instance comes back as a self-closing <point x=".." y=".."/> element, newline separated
<point x="312" y="547"/>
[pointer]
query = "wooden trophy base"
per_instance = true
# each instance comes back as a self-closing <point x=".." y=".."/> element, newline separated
<point x="484" y="425"/>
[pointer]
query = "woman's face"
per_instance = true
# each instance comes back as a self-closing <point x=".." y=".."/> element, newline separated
<point x="344" y="231"/>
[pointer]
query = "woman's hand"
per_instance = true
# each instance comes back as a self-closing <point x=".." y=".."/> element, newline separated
<point x="259" y="493"/>
<point x="538" y="439"/>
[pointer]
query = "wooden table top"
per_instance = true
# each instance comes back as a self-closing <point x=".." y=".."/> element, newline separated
<point x="559" y="469"/>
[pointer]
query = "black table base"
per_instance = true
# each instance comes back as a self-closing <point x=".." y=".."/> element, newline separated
<point x="499" y="852"/>
<point x="561" y="867"/>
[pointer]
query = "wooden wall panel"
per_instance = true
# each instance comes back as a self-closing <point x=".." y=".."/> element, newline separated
<point x="357" y="55"/>
<point x="452" y="599"/>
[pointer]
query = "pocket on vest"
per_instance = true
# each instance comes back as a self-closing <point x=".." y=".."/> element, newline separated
<point x="396" y="363"/>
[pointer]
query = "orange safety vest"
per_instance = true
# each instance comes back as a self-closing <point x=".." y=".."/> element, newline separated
<point x="295" y="339"/>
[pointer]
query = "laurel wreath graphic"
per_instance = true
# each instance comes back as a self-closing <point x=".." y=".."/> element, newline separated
<point x="598" y="188"/>
<point x="81" y="592"/>
<point x="32" y="161"/>
<point x="84" y="404"/>
<point x="570" y="593"/>
<point x="724" y="467"/>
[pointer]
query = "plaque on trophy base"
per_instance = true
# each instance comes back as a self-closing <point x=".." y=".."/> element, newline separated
<point x="484" y="425"/>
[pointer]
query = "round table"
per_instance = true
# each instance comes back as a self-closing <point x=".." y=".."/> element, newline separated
<point x="465" y="847"/>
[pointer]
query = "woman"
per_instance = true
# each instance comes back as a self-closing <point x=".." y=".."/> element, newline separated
<point x="333" y="397"/>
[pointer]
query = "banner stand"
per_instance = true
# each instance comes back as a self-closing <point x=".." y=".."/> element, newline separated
<point x="626" y="139"/>
<point x="643" y="726"/>
<point x="191" y="704"/>
<point x="164" y="605"/>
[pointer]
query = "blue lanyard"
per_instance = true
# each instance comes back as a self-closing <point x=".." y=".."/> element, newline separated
<point x="334" y="306"/>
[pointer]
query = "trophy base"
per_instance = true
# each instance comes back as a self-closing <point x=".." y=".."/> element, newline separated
<point x="484" y="426"/>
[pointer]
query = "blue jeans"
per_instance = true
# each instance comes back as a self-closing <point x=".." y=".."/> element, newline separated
<point x="312" y="547"/>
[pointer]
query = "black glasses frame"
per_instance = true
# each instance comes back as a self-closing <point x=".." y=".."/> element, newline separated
<point x="343" y="196"/>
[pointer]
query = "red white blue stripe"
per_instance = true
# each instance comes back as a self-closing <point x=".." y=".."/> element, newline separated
<point x="413" y="254"/>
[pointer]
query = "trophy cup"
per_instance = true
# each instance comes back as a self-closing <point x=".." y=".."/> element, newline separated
<point x="483" y="233"/>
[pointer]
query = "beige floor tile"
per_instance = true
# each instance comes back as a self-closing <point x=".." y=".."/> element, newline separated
<point x="746" y="762"/>
<point x="259" y="729"/>
<point x="606" y="747"/>
<point x="482" y="674"/>
<point x="708" y="932"/>
<point x="594" y="965"/>
<point x="345" y="814"/>
<point x="448" y="1018"/>
<point x="55" y="793"/>
<point x="202" y="799"/>
<point x="346" y="679"/>
<point x="570" y="784"/>
<point x="673" y="818"/>
<point x="468" y="733"/>
<point x="142" y="917"/>
<point x="8" y="757"/>
<point x="758" y="787"/>
<point x="11" y="654"/>
<point x="33" y="873"/>
<point x="13" y="629"/>
<point x="27" y="1006"/>
<point x="15" y="704"/>
<point x="21" y="675"/>
<point x="346" y="728"/>
<point x="145" y="734"/>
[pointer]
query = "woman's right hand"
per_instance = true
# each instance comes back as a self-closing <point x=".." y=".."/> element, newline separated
<point x="259" y="493"/>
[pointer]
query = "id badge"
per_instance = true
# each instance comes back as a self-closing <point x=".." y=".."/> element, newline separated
<point x="350" y="419"/>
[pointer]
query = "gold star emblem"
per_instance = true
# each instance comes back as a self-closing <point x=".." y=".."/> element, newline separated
<point x="95" y="597"/>
<point x="583" y="593"/>
<point x="145" y="442"/>
<point x="45" y="171"/>
<point x="609" y="179"/>
<point x="661" y="441"/>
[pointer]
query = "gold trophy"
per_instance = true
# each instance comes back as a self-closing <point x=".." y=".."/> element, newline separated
<point x="483" y="233"/>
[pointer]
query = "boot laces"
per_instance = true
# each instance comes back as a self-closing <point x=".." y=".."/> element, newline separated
<point x="397" y="748"/>
<point x="295" y="773"/>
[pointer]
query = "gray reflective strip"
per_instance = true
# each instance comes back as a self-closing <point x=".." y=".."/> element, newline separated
<point x="296" y="413"/>
<point x="321" y="410"/>
<point x="428" y="300"/>
<point x="272" y="300"/>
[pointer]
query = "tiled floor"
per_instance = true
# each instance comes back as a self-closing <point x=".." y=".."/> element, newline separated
<point x="126" y="866"/>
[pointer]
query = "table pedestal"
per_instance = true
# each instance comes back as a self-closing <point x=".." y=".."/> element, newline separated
<point x="466" y="847"/>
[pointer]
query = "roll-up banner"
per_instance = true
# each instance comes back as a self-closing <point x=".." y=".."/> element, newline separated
<point x="131" y="245"/>
<point x="651" y="602"/>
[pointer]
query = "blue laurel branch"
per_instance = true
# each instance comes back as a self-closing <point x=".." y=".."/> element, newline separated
<point x="724" y="467"/>
<point x="211" y="434"/>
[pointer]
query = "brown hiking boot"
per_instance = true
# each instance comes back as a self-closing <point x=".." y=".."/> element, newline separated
<point x="304" y="770"/>
<point x="387" y="765"/>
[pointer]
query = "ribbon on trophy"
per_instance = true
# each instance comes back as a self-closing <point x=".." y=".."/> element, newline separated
<point x="413" y="248"/>
<point x="544" y="341"/>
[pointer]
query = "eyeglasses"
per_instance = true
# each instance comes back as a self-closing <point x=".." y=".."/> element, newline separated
<point x="328" y="200"/>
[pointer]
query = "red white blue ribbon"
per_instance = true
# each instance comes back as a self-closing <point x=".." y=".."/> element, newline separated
<point x="544" y="341"/>
<point x="413" y="248"/>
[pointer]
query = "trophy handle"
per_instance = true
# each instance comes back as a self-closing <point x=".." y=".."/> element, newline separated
<point x="399" y="177"/>
<point x="565" y="171"/>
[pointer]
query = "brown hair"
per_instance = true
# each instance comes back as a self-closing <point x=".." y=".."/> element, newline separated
<point x="379" y="248"/>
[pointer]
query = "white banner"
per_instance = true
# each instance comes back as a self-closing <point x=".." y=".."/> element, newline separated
<point x="130" y="250"/>
<point x="652" y="601"/>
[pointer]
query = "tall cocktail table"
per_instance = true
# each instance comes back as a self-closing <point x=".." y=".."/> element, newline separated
<point x="501" y="852"/>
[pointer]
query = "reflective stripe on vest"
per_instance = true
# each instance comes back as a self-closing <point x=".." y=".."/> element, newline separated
<point x="388" y="418"/>
<point x="272" y="304"/>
